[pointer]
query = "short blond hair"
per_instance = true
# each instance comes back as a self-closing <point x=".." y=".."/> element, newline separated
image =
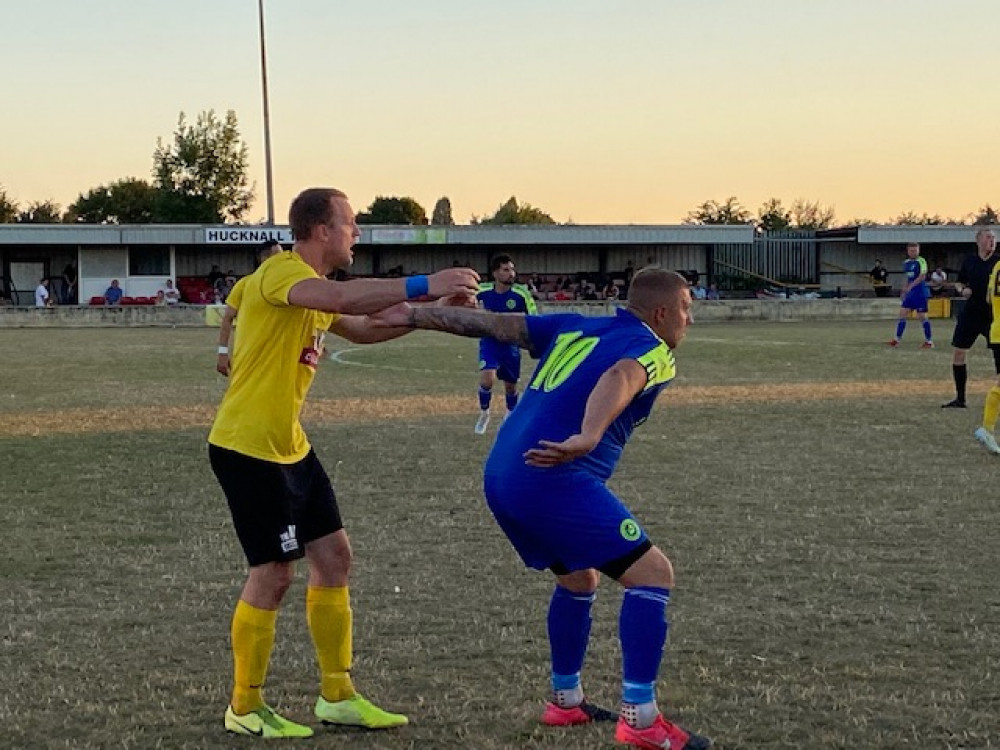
<point x="652" y="287"/>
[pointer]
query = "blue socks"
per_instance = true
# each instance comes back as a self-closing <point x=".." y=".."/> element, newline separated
<point x="485" y="396"/>
<point x="569" y="631"/>
<point x="901" y="326"/>
<point x="642" y="627"/>
<point x="511" y="400"/>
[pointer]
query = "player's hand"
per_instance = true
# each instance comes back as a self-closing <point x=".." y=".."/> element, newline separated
<point x="222" y="365"/>
<point x="550" y="454"/>
<point x="457" y="300"/>
<point x="451" y="282"/>
<point x="397" y="316"/>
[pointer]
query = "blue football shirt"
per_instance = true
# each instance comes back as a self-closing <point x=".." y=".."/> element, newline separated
<point x="516" y="299"/>
<point x="575" y="351"/>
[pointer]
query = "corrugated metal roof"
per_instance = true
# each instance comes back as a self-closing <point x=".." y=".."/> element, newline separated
<point x="187" y="234"/>
<point x="900" y="235"/>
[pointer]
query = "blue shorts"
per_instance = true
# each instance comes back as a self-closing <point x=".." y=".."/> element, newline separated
<point x="915" y="299"/>
<point x="504" y="358"/>
<point x="564" y="519"/>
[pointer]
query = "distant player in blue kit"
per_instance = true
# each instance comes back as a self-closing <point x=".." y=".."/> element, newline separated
<point x="914" y="295"/>
<point x="496" y="358"/>
<point x="545" y="482"/>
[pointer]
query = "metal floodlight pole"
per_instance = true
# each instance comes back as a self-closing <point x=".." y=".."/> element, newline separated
<point x="267" y="118"/>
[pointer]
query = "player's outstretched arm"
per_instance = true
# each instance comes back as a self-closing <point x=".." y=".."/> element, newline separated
<point x="361" y="329"/>
<point x="463" y="321"/>
<point x="363" y="296"/>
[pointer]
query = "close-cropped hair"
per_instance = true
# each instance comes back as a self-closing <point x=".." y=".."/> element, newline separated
<point x="652" y="287"/>
<point x="499" y="260"/>
<point x="311" y="208"/>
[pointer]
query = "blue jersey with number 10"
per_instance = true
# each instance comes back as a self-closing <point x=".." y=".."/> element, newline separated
<point x="576" y="351"/>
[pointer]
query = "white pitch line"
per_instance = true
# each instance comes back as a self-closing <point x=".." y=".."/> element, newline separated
<point x="338" y="357"/>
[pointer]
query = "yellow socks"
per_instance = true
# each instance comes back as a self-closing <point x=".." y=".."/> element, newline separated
<point x="328" y="612"/>
<point x="252" y="639"/>
<point x="992" y="409"/>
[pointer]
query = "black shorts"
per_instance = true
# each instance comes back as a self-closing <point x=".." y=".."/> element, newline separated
<point x="277" y="508"/>
<point x="970" y="327"/>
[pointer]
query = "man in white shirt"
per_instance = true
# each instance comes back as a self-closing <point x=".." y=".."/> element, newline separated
<point x="42" y="293"/>
<point x="170" y="293"/>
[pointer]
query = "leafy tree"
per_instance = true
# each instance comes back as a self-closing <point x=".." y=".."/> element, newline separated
<point x="861" y="222"/>
<point x="385" y="210"/>
<point x="912" y="219"/>
<point x="773" y="217"/>
<point x="40" y="212"/>
<point x="986" y="215"/>
<point x="512" y="213"/>
<point x="8" y="208"/>
<point x="441" y="216"/>
<point x="127" y="201"/>
<point x="202" y="173"/>
<point x="712" y="212"/>
<point x="811" y="215"/>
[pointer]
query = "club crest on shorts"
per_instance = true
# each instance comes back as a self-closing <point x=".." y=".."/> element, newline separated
<point x="289" y="542"/>
<point x="630" y="530"/>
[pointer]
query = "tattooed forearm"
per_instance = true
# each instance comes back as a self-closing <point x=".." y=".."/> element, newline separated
<point x="509" y="327"/>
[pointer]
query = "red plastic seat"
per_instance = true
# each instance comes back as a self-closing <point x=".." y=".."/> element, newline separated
<point x="97" y="300"/>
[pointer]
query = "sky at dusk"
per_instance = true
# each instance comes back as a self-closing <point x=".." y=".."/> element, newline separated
<point x="596" y="111"/>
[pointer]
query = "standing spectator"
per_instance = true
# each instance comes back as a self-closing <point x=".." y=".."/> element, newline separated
<point x="69" y="276"/>
<point x="113" y="294"/>
<point x="170" y="293"/>
<point x="880" y="279"/>
<point x="42" y="297"/>
<point x="534" y="286"/>
<point x="974" y="320"/>
<point x="215" y="275"/>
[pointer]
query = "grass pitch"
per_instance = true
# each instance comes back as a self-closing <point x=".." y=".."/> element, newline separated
<point x="833" y="532"/>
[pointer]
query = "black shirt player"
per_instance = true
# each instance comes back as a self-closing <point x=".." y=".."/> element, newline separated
<point x="975" y="319"/>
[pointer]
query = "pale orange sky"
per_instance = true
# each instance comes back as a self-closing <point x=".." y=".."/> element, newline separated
<point x="594" y="111"/>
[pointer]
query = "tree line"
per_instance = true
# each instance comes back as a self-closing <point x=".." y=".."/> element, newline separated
<point x="200" y="176"/>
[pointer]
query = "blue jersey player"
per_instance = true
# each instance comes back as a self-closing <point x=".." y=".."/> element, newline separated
<point x="545" y="482"/>
<point x="498" y="359"/>
<point x="914" y="296"/>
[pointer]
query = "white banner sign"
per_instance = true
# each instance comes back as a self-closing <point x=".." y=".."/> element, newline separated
<point x="248" y="235"/>
<point x="416" y="236"/>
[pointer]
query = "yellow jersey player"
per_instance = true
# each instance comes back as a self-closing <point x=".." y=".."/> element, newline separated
<point x="281" y="500"/>
<point x="991" y="410"/>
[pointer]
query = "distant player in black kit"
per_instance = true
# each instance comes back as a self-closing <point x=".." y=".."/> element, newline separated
<point x="975" y="319"/>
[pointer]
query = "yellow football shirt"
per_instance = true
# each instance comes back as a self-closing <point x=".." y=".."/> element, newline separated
<point x="993" y="295"/>
<point x="274" y="360"/>
<point x="236" y="294"/>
